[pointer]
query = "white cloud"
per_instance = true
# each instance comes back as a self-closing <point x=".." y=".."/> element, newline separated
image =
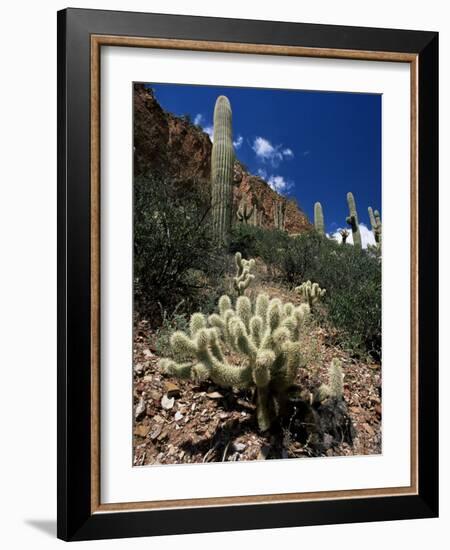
<point x="210" y="131"/>
<point x="238" y="143"/>
<point x="265" y="151"/>
<point x="367" y="237"/>
<point x="198" y="119"/>
<point x="279" y="184"/>
<point x="262" y="173"/>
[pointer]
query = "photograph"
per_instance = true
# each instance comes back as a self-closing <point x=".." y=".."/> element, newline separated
<point x="257" y="274"/>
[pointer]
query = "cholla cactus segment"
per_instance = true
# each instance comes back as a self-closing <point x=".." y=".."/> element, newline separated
<point x="336" y="379"/>
<point x="335" y="387"/>
<point x="311" y="293"/>
<point x="243" y="276"/>
<point x="263" y="333"/>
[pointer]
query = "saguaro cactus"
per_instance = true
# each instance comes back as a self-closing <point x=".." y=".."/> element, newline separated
<point x="279" y="215"/>
<point x="375" y="222"/>
<point x="244" y="212"/>
<point x="344" y="234"/>
<point x="352" y="220"/>
<point x="318" y="218"/>
<point x="254" y="217"/>
<point x="222" y="161"/>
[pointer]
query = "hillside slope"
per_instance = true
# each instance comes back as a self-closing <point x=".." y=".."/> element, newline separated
<point x="176" y="147"/>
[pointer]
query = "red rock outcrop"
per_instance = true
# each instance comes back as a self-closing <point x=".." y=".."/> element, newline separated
<point x="175" y="147"/>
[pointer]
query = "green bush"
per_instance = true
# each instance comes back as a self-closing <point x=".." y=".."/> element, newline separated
<point x="352" y="278"/>
<point x="253" y="241"/>
<point x="175" y="258"/>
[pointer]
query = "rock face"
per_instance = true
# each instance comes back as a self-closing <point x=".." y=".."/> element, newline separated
<point x="176" y="148"/>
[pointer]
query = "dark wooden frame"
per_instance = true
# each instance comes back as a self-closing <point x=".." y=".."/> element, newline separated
<point x="81" y="33"/>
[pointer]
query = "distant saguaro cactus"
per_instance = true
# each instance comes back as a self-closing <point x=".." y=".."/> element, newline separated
<point x="375" y="222"/>
<point x="254" y="217"/>
<point x="352" y="220"/>
<point x="222" y="161"/>
<point x="344" y="234"/>
<point x="279" y="215"/>
<point x="244" y="212"/>
<point x="318" y="218"/>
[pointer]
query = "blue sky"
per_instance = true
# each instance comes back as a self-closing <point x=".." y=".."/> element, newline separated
<point x="314" y="146"/>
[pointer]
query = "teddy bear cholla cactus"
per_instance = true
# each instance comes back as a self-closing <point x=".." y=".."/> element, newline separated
<point x="335" y="386"/>
<point x="243" y="276"/>
<point x="311" y="293"/>
<point x="266" y="337"/>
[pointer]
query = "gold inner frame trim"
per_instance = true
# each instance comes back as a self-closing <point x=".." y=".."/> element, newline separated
<point x="97" y="41"/>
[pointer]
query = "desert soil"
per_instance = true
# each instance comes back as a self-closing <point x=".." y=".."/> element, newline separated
<point x="177" y="421"/>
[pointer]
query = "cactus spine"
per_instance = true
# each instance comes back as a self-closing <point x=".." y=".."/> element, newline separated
<point x="222" y="162"/>
<point x="279" y="215"/>
<point x="318" y="218"/>
<point x="375" y="222"/>
<point x="352" y="220"/>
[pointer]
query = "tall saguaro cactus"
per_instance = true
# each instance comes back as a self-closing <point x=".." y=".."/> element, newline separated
<point x="352" y="220"/>
<point x="222" y="161"/>
<point x="375" y="222"/>
<point x="279" y="215"/>
<point x="318" y="218"/>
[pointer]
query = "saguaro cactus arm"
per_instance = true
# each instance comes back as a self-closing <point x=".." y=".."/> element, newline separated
<point x="222" y="165"/>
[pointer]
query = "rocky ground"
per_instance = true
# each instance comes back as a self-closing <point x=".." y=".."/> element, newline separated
<point x="177" y="421"/>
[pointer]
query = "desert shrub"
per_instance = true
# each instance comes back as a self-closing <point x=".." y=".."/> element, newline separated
<point x="170" y="322"/>
<point x="175" y="258"/>
<point x="253" y="241"/>
<point x="352" y="279"/>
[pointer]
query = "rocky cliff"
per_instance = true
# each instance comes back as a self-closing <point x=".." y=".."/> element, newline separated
<point x="179" y="149"/>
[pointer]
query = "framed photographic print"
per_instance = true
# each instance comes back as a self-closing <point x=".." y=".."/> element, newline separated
<point x="248" y="298"/>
